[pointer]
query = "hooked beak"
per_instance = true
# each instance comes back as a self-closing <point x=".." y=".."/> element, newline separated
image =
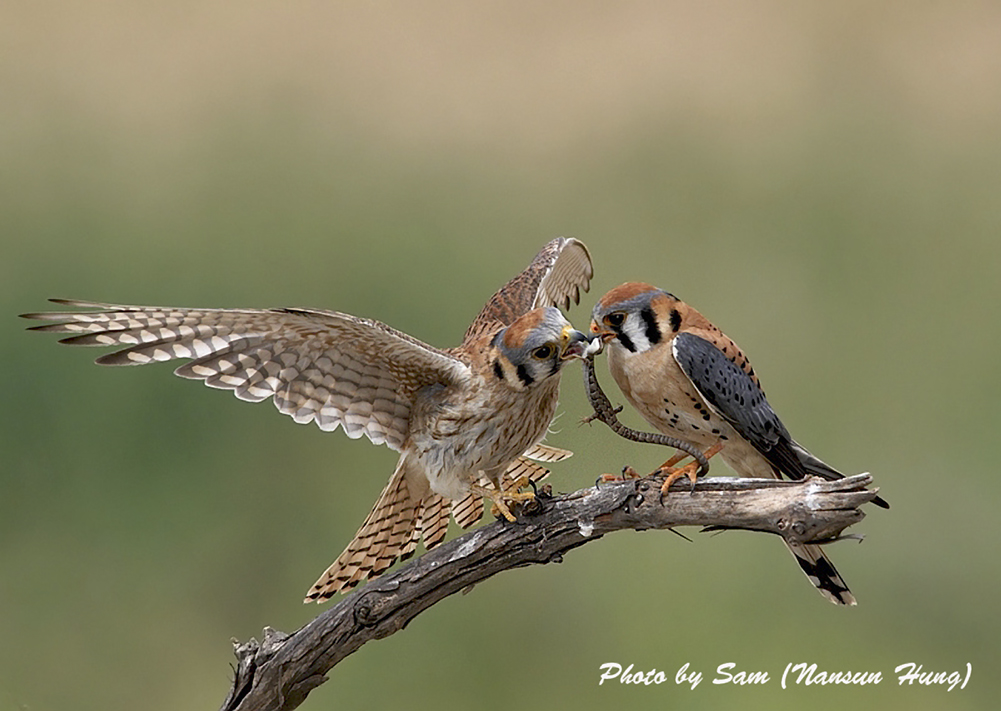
<point x="600" y="333"/>
<point x="574" y="343"/>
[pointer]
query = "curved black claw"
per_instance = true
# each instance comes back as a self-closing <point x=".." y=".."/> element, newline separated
<point x="627" y="473"/>
<point x="691" y="492"/>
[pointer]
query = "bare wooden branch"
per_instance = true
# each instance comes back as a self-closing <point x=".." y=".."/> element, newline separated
<point x="277" y="673"/>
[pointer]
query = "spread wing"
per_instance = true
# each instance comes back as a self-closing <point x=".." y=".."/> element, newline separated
<point x="319" y="366"/>
<point x="554" y="278"/>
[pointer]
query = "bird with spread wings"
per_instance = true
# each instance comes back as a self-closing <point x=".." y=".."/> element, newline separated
<point x="468" y="421"/>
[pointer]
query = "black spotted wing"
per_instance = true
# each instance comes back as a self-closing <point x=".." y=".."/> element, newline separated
<point x="739" y="400"/>
<point x="731" y="393"/>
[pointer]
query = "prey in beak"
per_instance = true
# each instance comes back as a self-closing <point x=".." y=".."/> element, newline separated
<point x="574" y="344"/>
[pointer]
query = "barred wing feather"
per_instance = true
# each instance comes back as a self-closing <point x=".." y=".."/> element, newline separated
<point x="319" y="366"/>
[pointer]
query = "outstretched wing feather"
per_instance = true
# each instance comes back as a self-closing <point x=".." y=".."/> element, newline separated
<point x="319" y="366"/>
<point x="556" y="277"/>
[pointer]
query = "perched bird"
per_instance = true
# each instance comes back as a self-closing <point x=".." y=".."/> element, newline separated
<point x="466" y="421"/>
<point x="690" y="381"/>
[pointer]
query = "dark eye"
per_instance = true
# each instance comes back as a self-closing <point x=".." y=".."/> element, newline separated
<point x="615" y="319"/>
<point x="543" y="352"/>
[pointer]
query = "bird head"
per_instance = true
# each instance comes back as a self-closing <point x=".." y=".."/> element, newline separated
<point x="635" y="317"/>
<point x="535" y="347"/>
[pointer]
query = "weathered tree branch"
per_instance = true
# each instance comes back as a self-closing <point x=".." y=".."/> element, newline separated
<point x="277" y="673"/>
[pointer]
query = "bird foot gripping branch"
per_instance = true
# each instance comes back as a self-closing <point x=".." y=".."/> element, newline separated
<point x="502" y="499"/>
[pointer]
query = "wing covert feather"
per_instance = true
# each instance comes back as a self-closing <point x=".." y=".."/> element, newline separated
<point x="729" y="391"/>
<point x="556" y="277"/>
<point x="319" y="366"/>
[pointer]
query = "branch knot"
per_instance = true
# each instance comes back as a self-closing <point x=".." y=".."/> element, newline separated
<point x="371" y="607"/>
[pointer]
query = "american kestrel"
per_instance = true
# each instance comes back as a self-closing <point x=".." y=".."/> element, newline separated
<point x="689" y="380"/>
<point x="467" y="421"/>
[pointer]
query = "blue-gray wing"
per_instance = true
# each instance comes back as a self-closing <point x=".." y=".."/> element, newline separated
<point x="739" y="400"/>
<point x="733" y="395"/>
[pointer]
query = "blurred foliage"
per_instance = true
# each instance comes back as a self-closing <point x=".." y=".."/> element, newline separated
<point x="822" y="182"/>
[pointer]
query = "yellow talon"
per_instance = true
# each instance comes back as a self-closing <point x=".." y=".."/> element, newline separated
<point x="689" y="470"/>
<point x="517" y="484"/>
<point x="627" y="473"/>
<point x="500" y="498"/>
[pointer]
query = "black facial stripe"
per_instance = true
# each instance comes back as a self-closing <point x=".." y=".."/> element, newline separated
<point x="652" y="329"/>
<point x="524" y="376"/>
<point x="626" y="341"/>
<point x="498" y="371"/>
<point x="675" y="320"/>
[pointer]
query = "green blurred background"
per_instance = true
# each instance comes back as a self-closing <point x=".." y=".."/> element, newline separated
<point x="823" y="180"/>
